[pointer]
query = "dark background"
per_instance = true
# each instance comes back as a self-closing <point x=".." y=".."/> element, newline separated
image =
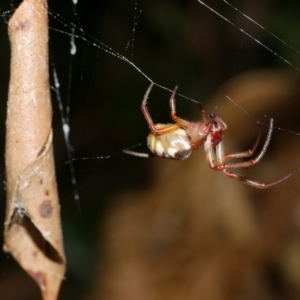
<point x="175" y="42"/>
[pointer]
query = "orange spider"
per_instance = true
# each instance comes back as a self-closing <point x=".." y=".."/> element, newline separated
<point x="178" y="140"/>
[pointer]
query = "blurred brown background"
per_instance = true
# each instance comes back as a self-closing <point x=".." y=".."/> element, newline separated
<point x="162" y="229"/>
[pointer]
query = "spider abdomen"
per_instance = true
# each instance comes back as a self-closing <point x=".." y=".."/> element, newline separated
<point x="175" y="144"/>
<point x="179" y="139"/>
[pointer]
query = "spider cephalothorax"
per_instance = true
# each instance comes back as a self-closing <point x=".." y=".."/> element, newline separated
<point x="178" y="140"/>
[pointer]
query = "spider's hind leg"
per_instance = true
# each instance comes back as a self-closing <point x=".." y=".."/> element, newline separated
<point x="139" y="154"/>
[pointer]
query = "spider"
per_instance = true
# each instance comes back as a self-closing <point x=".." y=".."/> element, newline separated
<point x="178" y="140"/>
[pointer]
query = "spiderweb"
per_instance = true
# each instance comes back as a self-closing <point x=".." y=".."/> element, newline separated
<point x="104" y="54"/>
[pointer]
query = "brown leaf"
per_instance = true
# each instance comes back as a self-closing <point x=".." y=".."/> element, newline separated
<point x="32" y="226"/>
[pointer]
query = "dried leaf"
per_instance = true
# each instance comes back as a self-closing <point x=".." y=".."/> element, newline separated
<point x="32" y="227"/>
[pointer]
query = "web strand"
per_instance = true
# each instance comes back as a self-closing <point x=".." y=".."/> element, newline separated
<point x="250" y="36"/>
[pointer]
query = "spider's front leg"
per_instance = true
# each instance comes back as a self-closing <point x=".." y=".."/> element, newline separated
<point x="257" y="184"/>
<point x="252" y="162"/>
<point x="214" y="153"/>
<point x="249" y="153"/>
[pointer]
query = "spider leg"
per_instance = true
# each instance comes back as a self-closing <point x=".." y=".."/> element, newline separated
<point x="213" y="157"/>
<point x="256" y="184"/>
<point x="252" y="162"/>
<point x="153" y="128"/>
<point x="145" y="110"/>
<point x="214" y="161"/>
<point x="139" y="154"/>
<point x="173" y="110"/>
<point x="165" y="129"/>
<point x="247" y="153"/>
